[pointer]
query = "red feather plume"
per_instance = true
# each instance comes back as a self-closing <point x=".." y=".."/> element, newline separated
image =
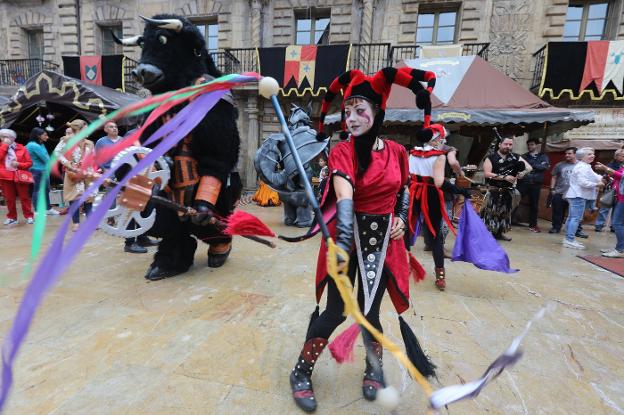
<point x="245" y="224"/>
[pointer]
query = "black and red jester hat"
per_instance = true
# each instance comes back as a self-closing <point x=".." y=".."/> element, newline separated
<point x="376" y="89"/>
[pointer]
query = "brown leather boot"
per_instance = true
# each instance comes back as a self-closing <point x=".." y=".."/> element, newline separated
<point x="440" y="276"/>
<point x="301" y="375"/>
<point x="373" y="376"/>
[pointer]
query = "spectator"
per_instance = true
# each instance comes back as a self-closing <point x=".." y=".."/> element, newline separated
<point x="76" y="179"/>
<point x="531" y="184"/>
<point x="581" y="194"/>
<point x="40" y="158"/>
<point x="559" y="185"/>
<point x="603" y="212"/>
<point x="133" y="245"/>
<point x="15" y="178"/>
<point x="617" y="218"/>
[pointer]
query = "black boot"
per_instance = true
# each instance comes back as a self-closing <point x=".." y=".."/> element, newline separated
<point x="155" y="273"/>
<point x="373" y="376"/>
<point x="301" y="376"/>
<point x="218" y="254"/>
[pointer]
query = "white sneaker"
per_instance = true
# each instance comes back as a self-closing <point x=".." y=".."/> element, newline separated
<point x="573" y="244"/>
<point x="30" y="221"/>
<point x="613" y="254"/>
<point x="10" y="222"/>
<point x="605" y="250"/>
<point x="52" y="212"/>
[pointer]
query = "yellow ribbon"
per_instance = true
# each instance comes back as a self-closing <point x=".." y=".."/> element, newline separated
<point x="338" y="272"/>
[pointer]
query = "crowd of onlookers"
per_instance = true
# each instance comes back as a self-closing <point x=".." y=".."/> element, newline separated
<point x="574" y="187"/>
<point x="22" y="167"/>
<point x="574" y="184"/>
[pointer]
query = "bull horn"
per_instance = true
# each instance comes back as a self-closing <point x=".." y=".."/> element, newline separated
<point x="128" y="41"/>
<point x="173" y="24"/>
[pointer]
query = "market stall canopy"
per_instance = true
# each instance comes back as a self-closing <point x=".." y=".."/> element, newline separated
<point x="470" y="91"/>
<point x="88" y="100"/>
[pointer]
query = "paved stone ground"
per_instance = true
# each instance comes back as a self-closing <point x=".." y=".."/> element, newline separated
<point x="224" y="341"/>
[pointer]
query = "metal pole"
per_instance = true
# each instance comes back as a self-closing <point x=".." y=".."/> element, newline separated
<point x="299" y="164"/>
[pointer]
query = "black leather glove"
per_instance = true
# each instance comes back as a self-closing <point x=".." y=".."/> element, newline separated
<point x="205" y="213"/>
<point x="344" y="224"/>
<point x="402" y="206"/>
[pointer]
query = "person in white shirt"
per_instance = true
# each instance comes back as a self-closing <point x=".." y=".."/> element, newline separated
<point x="581" y="194"/>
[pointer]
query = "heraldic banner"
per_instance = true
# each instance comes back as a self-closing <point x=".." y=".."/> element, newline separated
<point x="99" y="70"/>
<point x="592" y="69"/>
<point x="304" y="69"/>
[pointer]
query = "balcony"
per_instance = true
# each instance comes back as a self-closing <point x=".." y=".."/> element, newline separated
<point x="367" y="57"/>
<point x="14" y="72"/>
<point x="563" y="75"/>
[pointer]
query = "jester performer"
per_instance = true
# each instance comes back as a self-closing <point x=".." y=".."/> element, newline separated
<point x="367" y="187"/>
<point x="427" y="165"/>
<point x="502" y="169"/>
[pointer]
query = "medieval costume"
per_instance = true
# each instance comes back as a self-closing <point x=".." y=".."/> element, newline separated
<point x="502" y="196"/>
<point x="204" y="176"/>
<point x="275" y="166"/>
<point x="427" y="207"/>
<point x="369" y="225"/>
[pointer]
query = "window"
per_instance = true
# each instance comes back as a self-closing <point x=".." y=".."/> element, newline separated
<point x="586" y="21"/>
<point x="210" y="31"/>
<point x="312" y="28"/>
<point x="106" y="42"/>
<point x="35" y="43"/>
<point x="436" y="28"/>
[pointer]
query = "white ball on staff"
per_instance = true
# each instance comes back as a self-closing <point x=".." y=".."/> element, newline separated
<point x="388" y="397"/>
<point x="268" y="87"/>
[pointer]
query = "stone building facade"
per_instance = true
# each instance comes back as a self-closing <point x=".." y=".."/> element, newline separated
<point x="514" y="29"/>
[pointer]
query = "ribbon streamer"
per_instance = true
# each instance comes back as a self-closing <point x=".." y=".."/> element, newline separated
<point x="57" y="258"/>
<point x="454" y="393"/>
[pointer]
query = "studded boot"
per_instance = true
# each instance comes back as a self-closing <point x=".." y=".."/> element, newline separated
<point x="301" y="376"/>
<point x="373" y="376"/>
<point x="440" y="276"/>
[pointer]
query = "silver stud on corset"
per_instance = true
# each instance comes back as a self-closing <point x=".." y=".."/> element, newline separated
<point x="370" y="258"/>
<point x="372" y="241"/>
<point x="374" y="226"/>
<point x="370" y="274"/>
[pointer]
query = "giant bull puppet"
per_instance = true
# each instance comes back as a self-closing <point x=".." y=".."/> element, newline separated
<point x="203" y="175"/>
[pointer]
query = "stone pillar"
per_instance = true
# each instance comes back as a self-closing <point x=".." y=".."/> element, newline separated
<point x="68" y="13"/>
<point x="256" y="23"/>
<point x="366" y="35"/>
<point x="253" y="130"/>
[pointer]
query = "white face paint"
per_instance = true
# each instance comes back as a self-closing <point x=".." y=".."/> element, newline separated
<point x="359" y="116"/>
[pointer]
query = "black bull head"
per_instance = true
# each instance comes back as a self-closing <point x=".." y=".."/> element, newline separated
<point x="173" y="53"/>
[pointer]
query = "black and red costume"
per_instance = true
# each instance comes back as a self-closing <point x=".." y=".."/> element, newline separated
<point x="362" y="226"/>
<point x="427" y="210"/>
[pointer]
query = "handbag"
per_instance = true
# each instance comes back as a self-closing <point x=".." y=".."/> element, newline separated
<point x="24" y="176"/>
<point x="608" y="198"/>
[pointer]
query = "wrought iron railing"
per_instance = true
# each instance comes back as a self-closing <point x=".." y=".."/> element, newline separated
<point x="247" y="58"/>
<point x="130" y="83"/>
<point x="478" y="49"/>
<point x="226" y="62"/>
<point x="399" y="53"/>
<point x="16" y="71"/>
<point x="370" y="57"/>
<point x="539" y="58"/>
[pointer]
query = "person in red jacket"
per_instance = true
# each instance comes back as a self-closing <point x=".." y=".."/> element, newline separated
<point x="15" y="178"/>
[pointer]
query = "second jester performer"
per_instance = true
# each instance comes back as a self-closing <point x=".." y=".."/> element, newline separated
<point x="426" y="164"/>
<point x="368" y="188"/>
